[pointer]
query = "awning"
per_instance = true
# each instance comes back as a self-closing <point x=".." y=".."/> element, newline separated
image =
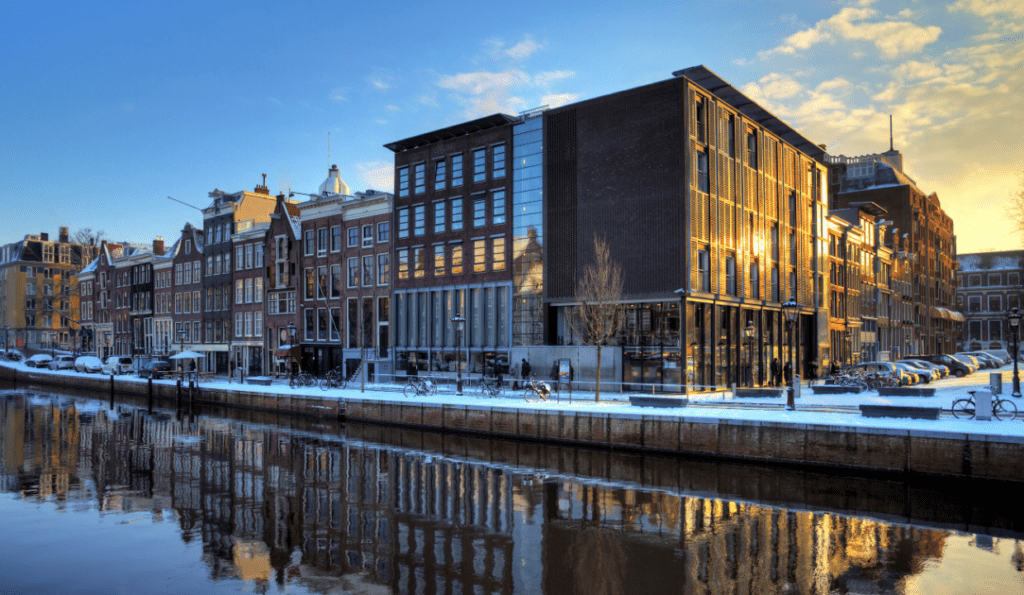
<point x="935" y="312"/>
<point x="956" y="316"/>
<point x="286" y="351"/>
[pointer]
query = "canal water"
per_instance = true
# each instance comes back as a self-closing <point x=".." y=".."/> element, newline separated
<point x="106" y="498"/>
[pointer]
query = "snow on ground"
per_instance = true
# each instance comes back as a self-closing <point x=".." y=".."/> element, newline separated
<point x="720" y="405"/>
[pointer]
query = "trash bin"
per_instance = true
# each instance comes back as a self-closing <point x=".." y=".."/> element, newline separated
<point x="995" y="382"/>
<point x="983" y="405"/>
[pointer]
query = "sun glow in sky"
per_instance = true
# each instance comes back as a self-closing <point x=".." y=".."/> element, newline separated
<point x="108" y="108"/>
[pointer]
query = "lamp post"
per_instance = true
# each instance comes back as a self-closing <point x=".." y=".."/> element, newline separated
<point x="181" y="341"/>
<point x="291" y="345"/>
<point x="791" y="309"/>
<point x="106" y="346"/>
<point x="849" y="345"/>
<point x="1014" y="318"/>
<point x="459" y="323"/>
<point x="749" y="332"/>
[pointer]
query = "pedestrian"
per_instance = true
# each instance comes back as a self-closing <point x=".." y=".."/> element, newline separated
<point x="524" y="369"/>
<point x="776" y="370"/>
<point x="812" y="373"/>
<point x="787" y="373"/>
<point x="515" y="376"/>
<point x="833" y="368"/>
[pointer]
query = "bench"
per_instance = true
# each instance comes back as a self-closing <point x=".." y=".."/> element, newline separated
<point x="833" y="389"/>
<point x="759" y="393"/>
<point x="658" y="401"/>
<point x="900" y="411"/>
<point x="258" y="380"/>
<point x="905" y="391"/>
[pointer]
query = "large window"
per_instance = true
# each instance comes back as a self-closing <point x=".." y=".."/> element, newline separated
<point x="403" y="262"/>
<point x="439" y="260"/>
<point x="353" y="237"/>
<point x="440" y="174"/>
<point x="479" y="165"/>
<point x="321" y="241"/>
<point x="457" y="258"/>
<point x="420" y="178"/>
<point x="368" y="270"/>
<point x="353" y="272"/>
<point x="498" y="161"/>
<point x="403" y="181"/>
<point x="995" y="330"/>
<point x="703" y="270"/>
<point x="498" y="253"/>
<point x="403" y="222"/>
<point x="479" y="210"/>
<point x="419" y="261"/>
<point x="368" y="236"/>
<point x="479" y="256"/>
<point x="703" y="183"/>
<point x="456" y="214"/>
<point x="456" y="170"/>
<point x="383" y="232"/>
<point x="755" y="281"/>
<point x="730" y="275"/>
<point x="308" y="242"/>
<point x="383" y="269"/>
<point x="336" y="238"/>
<point x="498" y="207"/>
<point x="419" y="219"/>
<point x="439" y="216"/>
<point x="335" y="280"/>
<point x="995" y="303"/>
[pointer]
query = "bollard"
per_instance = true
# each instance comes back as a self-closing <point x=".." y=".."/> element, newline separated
<point x="178" y="392"/>
<point x="191" y="385"/>
<point x="149" y="388"/>
<point x="995" y="383"/>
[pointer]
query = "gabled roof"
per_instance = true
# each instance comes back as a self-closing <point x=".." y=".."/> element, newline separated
<point x="707" y="79"/>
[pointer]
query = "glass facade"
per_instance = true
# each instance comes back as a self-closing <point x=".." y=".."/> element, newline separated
<point x="528" y="232"/>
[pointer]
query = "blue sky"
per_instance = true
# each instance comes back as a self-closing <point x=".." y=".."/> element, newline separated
<point x="108" y="108"/>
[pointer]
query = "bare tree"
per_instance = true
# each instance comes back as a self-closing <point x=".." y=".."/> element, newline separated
<point x="600" y="312"/>
<point x="89" y="237"/>
<point x="1015" y="206"/>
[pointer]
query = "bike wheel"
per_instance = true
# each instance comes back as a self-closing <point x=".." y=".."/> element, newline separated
<point x="409" y="391"/>
<point x="531" y="396"/>
<point x="963" y="409"/>
<point x="325" y="383"/>
<point x="341" y="383"/>
<point x="292" y="382"/>
<point x="1005" y="410"/>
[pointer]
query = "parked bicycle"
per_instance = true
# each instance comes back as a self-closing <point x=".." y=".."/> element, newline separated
<point x="842" y="379"/>
<point x="493" y="387"/>
<point x="1002" y="409"/>
<point x="419" y="387"/>
<point x="334" y="379"/>
<point x="537" y="391"/>
<point x="301" y="379"/>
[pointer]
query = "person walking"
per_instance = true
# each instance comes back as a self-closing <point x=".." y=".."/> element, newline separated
<point x="515" y="376"/>
<point x="787" y="373"/>
<point x="776" y="370"/>
<point x="524" y="369"/>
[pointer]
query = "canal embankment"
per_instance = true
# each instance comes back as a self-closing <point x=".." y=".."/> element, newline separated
<point x="959" y="449"/>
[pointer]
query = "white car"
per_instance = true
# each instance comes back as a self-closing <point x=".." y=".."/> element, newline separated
<point x="62" y="362"/>
<point x="39" y="360"/>
<point x="117" y="364"/>
<point x="88" y="363"/>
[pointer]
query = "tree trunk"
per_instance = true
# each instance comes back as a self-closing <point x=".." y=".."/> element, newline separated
<point x="597" y="391"/>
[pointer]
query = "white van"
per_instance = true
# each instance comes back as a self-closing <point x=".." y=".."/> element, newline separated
<point x="117" y="364"/>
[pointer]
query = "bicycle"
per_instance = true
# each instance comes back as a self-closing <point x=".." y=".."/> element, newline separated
<point x="1002" y="409"/>
<point x="419" y="387"/>
<point x="301" y="379"/>
<point x="537" y="391"/>
<point x="843" y="379"/>
<point x="334" y="379"/>
<point x="493" y="387"/>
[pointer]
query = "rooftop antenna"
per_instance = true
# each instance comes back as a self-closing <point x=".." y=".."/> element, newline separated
<point x="890" y="132"/>
<point x="328" y="150"/>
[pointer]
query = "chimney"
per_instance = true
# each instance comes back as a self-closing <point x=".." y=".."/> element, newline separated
<point x="262" y="188"/>
<point x="64" y="234"/>
<point x="45" y="237"/>
<point x="158" y="246"/>
<point x="822" y="146"/>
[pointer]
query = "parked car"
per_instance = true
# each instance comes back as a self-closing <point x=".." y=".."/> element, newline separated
<point x="62" y="362"/>
<point x="88" y="363"/>
<point x="156" y="368"/>
<point x="39" y="360"/>
<point x="13" y="355"/>
<point x="917" y="375"/>
<point x="967" y="361"/>
<point x="984" y="356"/>
<point x="883" y="368"/>
<point x="983" y="363"/>
<point x="117" y="364"/>
<point x="942" y="369"/>
<point x="1000" y="354"/>
<point x="922" y="368"/>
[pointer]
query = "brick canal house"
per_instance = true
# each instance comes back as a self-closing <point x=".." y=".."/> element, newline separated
<point x="187" y="289"/>
<point x="990" y="286"/>
<point x="247" y="349"/>
<point x="453" y="246"/>
<point x="164" y="338"/>
<point x="344" y="300"/>
<point x="281" y="262"/>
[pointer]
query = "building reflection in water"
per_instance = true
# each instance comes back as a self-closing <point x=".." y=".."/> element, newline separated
<point x="270" y="505"/>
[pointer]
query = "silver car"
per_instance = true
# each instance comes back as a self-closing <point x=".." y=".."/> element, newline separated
<point x="117" y="364"/>
<point x="62" y="362"/>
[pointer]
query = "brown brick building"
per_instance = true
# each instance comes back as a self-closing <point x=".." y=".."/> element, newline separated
<point x="990" y="285"/>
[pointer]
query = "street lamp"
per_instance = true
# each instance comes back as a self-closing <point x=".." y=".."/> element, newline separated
<point x="1014" y="318"/>
<point x="459" y="323"/>
<point x="181" y="341"/>
<point x="750" y="332"/>
<point x="791" y="309"/>
<point x="849" y="344"/>
<point x="106" y="347"/>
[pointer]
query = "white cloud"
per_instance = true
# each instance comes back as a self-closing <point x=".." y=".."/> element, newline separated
<point x="489" y="92"/>
<point x="381" y="79"/>
<point x="892" y="38"/>
<point x="379" y="175"/>
<point x="774" y="86"/>
<point x="546" y="78"/>
<point x="478" y="83"/>
<point x="393" y="108"/>
<point x="558" y="100"/>
<point x="338" y="94"/>
<point x="987" y="8"/>
<point x="524" y="49"/>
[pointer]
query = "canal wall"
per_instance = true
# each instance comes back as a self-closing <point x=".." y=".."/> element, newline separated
<point x="870" y="449"/>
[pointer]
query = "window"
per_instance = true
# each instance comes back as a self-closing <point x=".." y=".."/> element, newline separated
<point x="239" y="291"/>
<point x="1013" y="279"/>
<point x="177" y="274"/>
<point x="439" y="216"/>
<point x="258" y="289"/>
<point x="792" y="208"/>
<point x="498" y="161"/>
<point x="792" y="248"/>
<point x="321" y="241"/>
<point x="420" y="175"/>
<point x="353" y="272"/>
<point x="188" y="246"/>
<point x="995" y="330"/>
<point x="974" y="280"/>
<point x="310" y="284"/>
<point x="439" y="260"/>
<point x="239" y="324"/>
<point x="498" y="207"/>
<point x="703" y="182"/>
<point x="336" y="238"/>
<point x="792" y="285"/>
<point x="1012" y="301"/>
<point x="732" y="136"/>
<point x="403" y="263"/>
<point x="368" y="236"/>
<point x="440" y="174"/>
<point x="775" y="284"/>
<point x="730" y="275"/>
<point x="321" y="282"/>
<point x="995" y="303"/>
<point x="775" y="242"/>
<point x="456" y="214"/>
<point x="703" y="270"/>
<point x="187" y="269"/>
<point x="456" y="170"/>
<point x="197" y="271"/>
<point x="383" y="269"/>
<point x="419" y="220"/>
<point x="257" y="324"/>
<point x="197" y="301"/>
<point x="755" y="281"/>
<point x="248" y="290"/>
<point x="335" y="280"/>
<point x="383" y="232"/>
<point x="419" y="261"/>
<point x="479" y="256"/>
<point x="248" y="254"/>
<point x="368" y="270"/>
<point x="498" y="254"/>
<point x="701" y="118"/>
<point x="479" y="165"/>
<point x="752" y="148"/>
<point x="308" y="242"/>
<point x="353" y="237"/>
<point x="479" y="210"/>
<point x="457" y="258"/>
<point x="403" y="181"/>
<point x="403" y="222"/>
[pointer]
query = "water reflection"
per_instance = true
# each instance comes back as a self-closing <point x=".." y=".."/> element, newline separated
<point x="296" y="511"/>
